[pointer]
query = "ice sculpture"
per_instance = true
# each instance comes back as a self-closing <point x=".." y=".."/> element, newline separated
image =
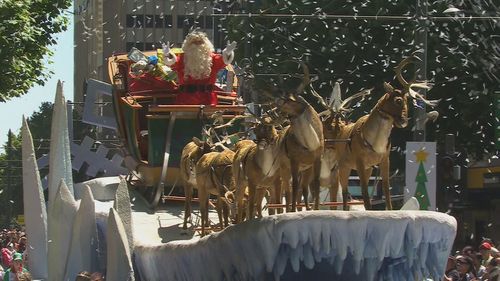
<point x="122" y="207"/>
<point x="83" y="251"/>
<point x="119" y="265"/>
<point x="35" y="213"/>
<point x="60" y="154"/>
<point x="60" y="217"/>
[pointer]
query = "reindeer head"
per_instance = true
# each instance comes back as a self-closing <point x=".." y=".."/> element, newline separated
<point x="394" y="104"/>
<point x="265" y="133"/>
<point x="292" y="103"/>
<point x="202" y="148"/>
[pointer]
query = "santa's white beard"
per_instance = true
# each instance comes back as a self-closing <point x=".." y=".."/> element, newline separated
<point x="197" y="61"/>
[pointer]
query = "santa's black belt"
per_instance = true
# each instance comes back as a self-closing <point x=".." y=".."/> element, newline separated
<point x="193" y="88"/>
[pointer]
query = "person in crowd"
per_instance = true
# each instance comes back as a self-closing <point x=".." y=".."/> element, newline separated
<point x="485" y="249"/>
<point x="7" y="252"/>
<point x="24" y="276"/>
<point x="97" y="276"/>
<point x="197" y="68"/>
<point x="86" y="276"/>
<point x="21" y="245"/>
<point x="16" y="269"/>
<point x="83" y="276"/>
<point x="492" y="270"/>
<point x="476" y="260"/>
<point x="465" y="268"/>
<point x="467" y="251"/>
<point x="451" y="273"/>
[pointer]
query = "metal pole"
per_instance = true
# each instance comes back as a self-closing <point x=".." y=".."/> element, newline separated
<point x="8" y="172"/>
<point x="421" y="42"/>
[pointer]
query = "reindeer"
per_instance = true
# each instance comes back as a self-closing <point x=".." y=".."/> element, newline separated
<point x="334" y="122"/>
<point x="369" y="139"/>
<point x="191" y="153"/>
<point x="302" y="146"/>
<point x="194" y="150"/>
<point x="214" y="176"/>
<point x="256" y="165"/>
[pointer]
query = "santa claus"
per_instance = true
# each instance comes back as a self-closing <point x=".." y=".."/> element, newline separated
<point x="197" y="68"/>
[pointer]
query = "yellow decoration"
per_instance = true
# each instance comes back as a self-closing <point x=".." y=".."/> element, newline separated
<point x="421" y="155"/>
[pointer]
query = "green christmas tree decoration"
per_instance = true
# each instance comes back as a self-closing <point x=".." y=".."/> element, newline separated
<point x="421" y="190"/>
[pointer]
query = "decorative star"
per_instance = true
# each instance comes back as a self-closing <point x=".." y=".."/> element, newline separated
<point x="421" y="155"/>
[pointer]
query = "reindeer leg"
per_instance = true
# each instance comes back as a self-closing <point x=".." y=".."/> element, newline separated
<point x="334" y="186"/>
<point x="219" y="208"/>
<point x="277" y="192"/>
<point x="315" y="183"/>
<point x="225" y="213"/>
<point x="305" y="180"/>
<point x="285" y="186"/>
<point x="240" y="194"/>
<point x="259" y="196"/>
<point x="364" y="178"/>
<point x="203" y="196"/>
<point x="384" y="171"/>
<point x="295" y="185"/>
<point x="344" y="182"/>
<point x="251" y="200"/>
<point x="188" y="192"/>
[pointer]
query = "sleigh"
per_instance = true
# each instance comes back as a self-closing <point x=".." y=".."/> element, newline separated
<point x="153" y="130"/>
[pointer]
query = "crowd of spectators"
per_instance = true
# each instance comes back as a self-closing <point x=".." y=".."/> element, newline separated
<point x="13" y="255"/>
<point x="474" y="264"/>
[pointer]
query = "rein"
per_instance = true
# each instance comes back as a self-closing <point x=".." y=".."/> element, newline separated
<point x="366" y="143"/>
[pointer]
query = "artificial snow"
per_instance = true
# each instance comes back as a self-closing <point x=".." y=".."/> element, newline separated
<point x="313" y="245"/>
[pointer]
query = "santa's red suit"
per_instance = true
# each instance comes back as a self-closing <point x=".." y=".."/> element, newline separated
<point x="197" y="91"/>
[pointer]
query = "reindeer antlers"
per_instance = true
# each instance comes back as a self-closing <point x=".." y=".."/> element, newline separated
<point x="399" y="68"/>
<point x="409" y="85"/>
<point x="305" y="80"/>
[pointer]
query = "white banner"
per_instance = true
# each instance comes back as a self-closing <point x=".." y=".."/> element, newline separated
<point x="421" y="173"/>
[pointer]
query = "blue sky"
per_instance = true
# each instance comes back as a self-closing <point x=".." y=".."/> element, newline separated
<point x="12" y="111"/>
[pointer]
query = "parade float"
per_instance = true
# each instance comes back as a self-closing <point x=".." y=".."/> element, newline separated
<point x="112" y="236"/>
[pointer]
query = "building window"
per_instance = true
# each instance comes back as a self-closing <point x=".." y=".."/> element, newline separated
<point x="168" y="21"/>
<point x="208" y="22"/>
<point x="129" y="46"/>
<point x="138" y="45"/>
<point x="139" y="21"/>
<point x="135" y="21"/>
<point x="149" y="46"/>
<point x="159" y="20"/>
<point x="130" y="20"/>
<point x="148" y="21"/>
<point x="185" y="21"/>
<point x="180" y="21"/>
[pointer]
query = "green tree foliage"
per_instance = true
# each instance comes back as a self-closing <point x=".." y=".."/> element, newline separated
<point x="26" y="34"/>
<point x="11" y="182"/>
<point x="462" y="58"/>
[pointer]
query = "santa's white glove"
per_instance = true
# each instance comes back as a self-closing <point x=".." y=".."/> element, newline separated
<point x="228" y="52"/>
<point x="230" y="46"/>
<point x="168" y="57"/>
